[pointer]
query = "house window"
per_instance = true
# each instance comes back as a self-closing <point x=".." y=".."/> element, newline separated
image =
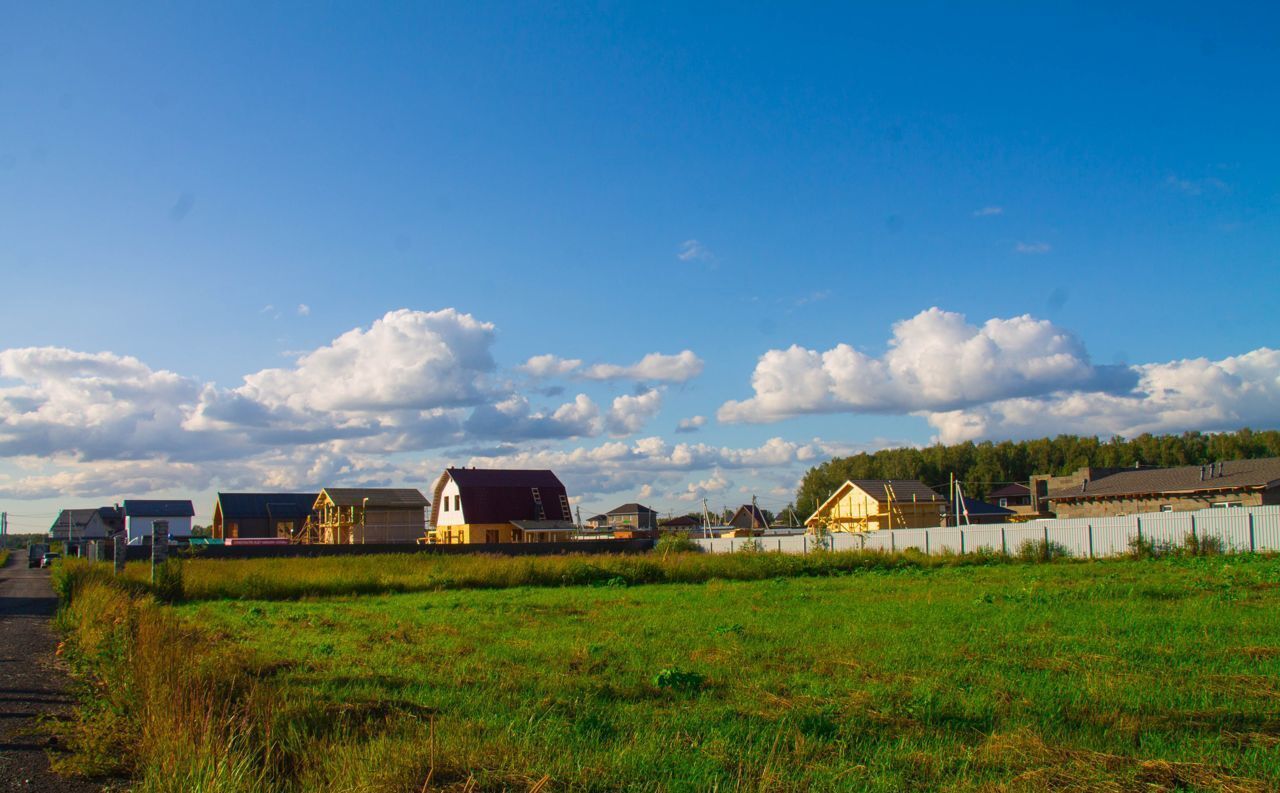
<point x="457" y="501"/>
<point x="1004" y="502"/>
<point x="233" y="530"/>
<point x="1166" y="508"/>
<point x="1227" y="505"/>
<point x="490" y="535"/>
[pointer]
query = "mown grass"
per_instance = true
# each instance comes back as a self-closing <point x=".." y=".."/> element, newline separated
<point x="1155" y="675"/>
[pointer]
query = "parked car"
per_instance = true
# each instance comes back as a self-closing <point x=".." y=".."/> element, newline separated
<point x="47" y="559"/>
<point x="36" y="552"/>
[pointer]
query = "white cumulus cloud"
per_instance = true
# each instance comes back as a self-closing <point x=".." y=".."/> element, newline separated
<point x="936" y="360"/>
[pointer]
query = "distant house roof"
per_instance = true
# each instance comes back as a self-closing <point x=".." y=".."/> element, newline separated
<point x="1185" y="480"/>
<point x="76" y="520"/>
<point x="276" y="506"/>
<point x="748" y="516"/>
<point x="502" y="495"/>
<point x="146" y="508"/>
<point x="1014" y="490"/>
<point x="602" y="518"/>
<point x="403" y="497"/>
<point x="681" y="520"/>
<point x="631" y="509"/>
<point x="976" y="506"/>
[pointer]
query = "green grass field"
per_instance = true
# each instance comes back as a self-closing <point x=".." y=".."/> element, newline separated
<point x="1155" y="675"/>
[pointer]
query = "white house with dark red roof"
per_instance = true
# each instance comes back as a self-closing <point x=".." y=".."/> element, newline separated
<point x="478" y="505"/>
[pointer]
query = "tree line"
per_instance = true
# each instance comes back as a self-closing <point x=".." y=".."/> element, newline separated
<point x="983" y="467"/>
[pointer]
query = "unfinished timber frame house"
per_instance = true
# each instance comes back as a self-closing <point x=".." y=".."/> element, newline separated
<point x="873" y="504"/>
<point x="360" y="515"/>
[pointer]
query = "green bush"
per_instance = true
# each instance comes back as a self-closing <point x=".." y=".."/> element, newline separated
<point x="1042" y="551"/>
<point x="677" y="679"/>
<point x="677" y="542"/>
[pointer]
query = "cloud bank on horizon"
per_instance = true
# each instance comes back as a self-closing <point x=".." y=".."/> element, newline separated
<point x="390" y="403"/>
<point x="1010" y="378"/>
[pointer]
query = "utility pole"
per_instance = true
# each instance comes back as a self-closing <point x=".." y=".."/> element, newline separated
<point x="755" y="510"/>
<point x="706" y="520"/>
<point x="578" y="511"/>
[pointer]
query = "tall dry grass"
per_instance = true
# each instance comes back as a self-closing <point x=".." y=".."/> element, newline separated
<point x="290" y="579"/>
<point x="161" y="702"/>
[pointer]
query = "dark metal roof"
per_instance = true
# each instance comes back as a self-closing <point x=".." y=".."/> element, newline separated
<point x="1188" y="479"/>
<point x="630" y="509"/>
<point x="280" y="506"/>
<point x="904" y="490"/>
<point x="681" y="520"/>
<point x="504" y="477"/>
<point x="404" y="497"/>
<point x="147" y="508"/>
<point x="544" y="525"/>
<point x="976" y="506"/>
<point x="502" y="495"/>
<point x="1015" y="490"/>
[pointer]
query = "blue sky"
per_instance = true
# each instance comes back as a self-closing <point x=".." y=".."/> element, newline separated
<point x="600" y="183"/>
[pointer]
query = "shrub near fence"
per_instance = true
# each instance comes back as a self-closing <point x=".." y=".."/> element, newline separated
<point x="1254" y="529"/>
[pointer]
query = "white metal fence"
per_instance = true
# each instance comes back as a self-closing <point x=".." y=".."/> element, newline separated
<point x="1239" y="530"/>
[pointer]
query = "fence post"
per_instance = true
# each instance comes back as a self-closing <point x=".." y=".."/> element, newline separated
<point x="1004" y="544"/>
<point x="893" y="548"/>
<point x="119" y="553"/>
<point x="926" y="542"/>
<point x="1253" y="547"/>
<point x="1193" y="528"/>
<point x="159" y="545"/>
<point x="779" y="545"/>
<point x="804" y="543"/>
<point x="962" y="542"/>
<point x="1090" y="525"/>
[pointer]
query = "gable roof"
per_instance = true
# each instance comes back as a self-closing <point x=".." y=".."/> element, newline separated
<point x="631" y="509"/>
<point x="149" y="508"/>
<point x="749" y="520"/>
<point x="276" y="506"/>
<point x="1234" y="475"/>
<point x="75" y="520"/>
<point x="394" y="497"/>
<point x="1012" y="490"/>
<point x="502" y="495"/>
<point x="904" y="490"/>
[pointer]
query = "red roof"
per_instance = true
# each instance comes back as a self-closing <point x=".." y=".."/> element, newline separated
<point x="498" y="495"/>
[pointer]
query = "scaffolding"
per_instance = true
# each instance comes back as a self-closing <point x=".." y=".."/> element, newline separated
<point x="870" y="517"/>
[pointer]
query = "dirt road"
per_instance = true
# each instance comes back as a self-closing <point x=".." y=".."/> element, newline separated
<point x="31" y="684"/>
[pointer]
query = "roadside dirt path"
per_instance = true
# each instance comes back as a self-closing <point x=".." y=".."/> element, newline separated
<point x="31" y="683"/>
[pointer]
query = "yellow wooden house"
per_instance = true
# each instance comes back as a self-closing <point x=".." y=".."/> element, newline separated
<point x="874" y="504"/>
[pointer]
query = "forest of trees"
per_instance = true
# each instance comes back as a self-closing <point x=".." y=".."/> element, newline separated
<point x="983" y="467"/>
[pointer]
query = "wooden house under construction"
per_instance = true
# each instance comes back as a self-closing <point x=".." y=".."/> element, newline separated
<point x="360" y="515"/>
<point x="874" y="504"/>
<point x="473" y="505"/>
